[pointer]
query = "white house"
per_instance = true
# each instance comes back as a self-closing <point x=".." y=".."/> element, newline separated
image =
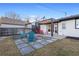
<point x="45" y="25"/>
<point x="67" y="26"/>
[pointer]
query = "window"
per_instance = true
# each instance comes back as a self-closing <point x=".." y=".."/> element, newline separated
<point x="63" y="26"/>
<point x="77" y="24"/>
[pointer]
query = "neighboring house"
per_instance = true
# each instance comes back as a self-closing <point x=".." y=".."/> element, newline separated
<point x="67" y="26"/>
<point x="45" y="25"/>
<point x="30" y="25"/>
<point x="10" y="26"/>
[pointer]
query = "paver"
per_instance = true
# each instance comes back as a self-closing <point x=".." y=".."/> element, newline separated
<point x="26" y="50"/>
<point x="25" y="40"/>
<point x="22" y="45"/>
<point x="37" y="45"/>
<point x="49" y="38"/>
<point x="44" y="42"/>
<point x="50" y="41"/>
<point x="54" y="39"/>
<point x="19" y="41"/>
<point x="26" y="47"/>
<point x="31" y="43"/>
<point x="38" y="40"/>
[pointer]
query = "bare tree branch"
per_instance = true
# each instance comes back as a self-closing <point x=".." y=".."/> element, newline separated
<point x="12" y="15"/>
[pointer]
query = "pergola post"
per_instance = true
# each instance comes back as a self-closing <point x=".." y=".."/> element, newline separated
<point x="52" y="27"/>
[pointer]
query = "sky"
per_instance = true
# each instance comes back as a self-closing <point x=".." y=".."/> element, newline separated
<point x="49" y="10"/>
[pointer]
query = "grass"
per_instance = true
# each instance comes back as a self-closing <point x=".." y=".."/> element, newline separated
<point x="8" y="48"/>
<point x="65" y="47"/>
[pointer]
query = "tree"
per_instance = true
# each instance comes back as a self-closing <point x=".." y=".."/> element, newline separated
<point x="27" y="19"/>
<point x="43" y="17"/>
<point x="12" y="15"/>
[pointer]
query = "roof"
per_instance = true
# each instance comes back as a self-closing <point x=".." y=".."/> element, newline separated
<point x="6" y="20"/>
<point x="67" y="18"/>
<point x="27" y="23"/>
<point x="46" y="21"/>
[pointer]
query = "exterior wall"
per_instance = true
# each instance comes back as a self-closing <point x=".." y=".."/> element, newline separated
<point x="11" y="26"/>
<point x="45" y="27"/>
<point x="29" y="26"/>
<point x="8" y="29"/>
<point x="55" y="29"/>
<point x="69" y="30"/>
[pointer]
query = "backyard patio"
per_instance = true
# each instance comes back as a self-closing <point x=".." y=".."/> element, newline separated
<point x="26" y="47"/>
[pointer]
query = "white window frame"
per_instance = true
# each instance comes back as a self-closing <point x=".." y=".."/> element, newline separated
<point x="77" y="23"/>
<point x="63" y="25"/>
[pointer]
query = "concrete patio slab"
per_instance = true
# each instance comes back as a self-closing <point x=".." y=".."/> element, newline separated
<point x="44" y="42"/>
<point x="37" y="45"/>
<point x="25" y="40"/>
<point x="19" y="41"/>
<point x="50" y="41"/>
<point x="26" y="50"/>
<point x="22" y="45"/>
<point x="54" y="39"/>
<point x="26" y="47"/>
<point x="38" y="40"/>
<point x="31" y="43"/>
<point x="49" y="38"/>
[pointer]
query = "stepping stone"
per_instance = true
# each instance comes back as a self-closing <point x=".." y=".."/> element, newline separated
<point x="26" y="50"/>
<point x="37" y="45"/>
<point x="25" y="40"/>
<point x="49" y="38"/>
<point x="38" y="40"/>
<point x="54" y="39"/>
<point x="22" y="45"/>
<point x="50" y="41"/>
<point x="31" y="43"/>
<point x="19" y="41"/>
<point x="44" y="42"/>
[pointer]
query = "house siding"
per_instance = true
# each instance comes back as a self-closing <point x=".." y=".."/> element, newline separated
<point x="55" y="28"/>
<point x="11" y="26"/>
<point x="29" y="26"/>
<point x="69" y="30"/>
<point x="45" y="28"/>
